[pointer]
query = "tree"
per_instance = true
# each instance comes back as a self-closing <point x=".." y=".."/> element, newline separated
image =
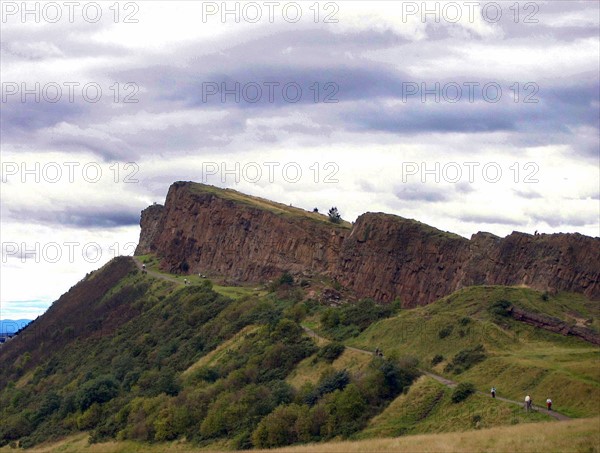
<point x="334" y="215"/>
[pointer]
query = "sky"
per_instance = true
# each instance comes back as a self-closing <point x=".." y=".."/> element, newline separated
<point x="468" y="116"/>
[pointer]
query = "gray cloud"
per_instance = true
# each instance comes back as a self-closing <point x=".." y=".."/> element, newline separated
<point x="83" y="217"/>
<point x="421" y="192"/>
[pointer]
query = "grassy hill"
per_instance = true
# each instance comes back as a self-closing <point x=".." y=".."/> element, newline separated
<point x="519" y="358"/>
<point x="137" y="360"/>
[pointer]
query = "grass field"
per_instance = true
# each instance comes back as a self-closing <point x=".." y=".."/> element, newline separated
<point x="577" y="436"/>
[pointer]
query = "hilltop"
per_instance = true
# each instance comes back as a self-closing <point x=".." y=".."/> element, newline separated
<point x="204" y="229"/>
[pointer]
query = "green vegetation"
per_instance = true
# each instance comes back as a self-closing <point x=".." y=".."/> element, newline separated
<point x="494" y="349"/>
<point x="462" y="392"/>
<point x="574" y="436"/>
<point x="187" y="362"/>
<point x="334" y="215"/>
<point x="352" y="318"/>
<point x="331" y="351"/>
<point x="427" y="407"/>
<point x="149" y="361"/>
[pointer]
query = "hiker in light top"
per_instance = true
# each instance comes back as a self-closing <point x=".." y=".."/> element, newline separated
<point x="493" y="392"/>
<point x="549" y="404"/>
<point x="527" y="402"/>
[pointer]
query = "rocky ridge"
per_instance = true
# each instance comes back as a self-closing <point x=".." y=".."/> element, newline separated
<point x="247" y="239"/>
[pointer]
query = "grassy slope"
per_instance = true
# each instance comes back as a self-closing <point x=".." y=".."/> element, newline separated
<point x="310" y="370"/>
<point x="573" y="436"/>
<point x="427" y="408"/>
<point x="522" y="359"/>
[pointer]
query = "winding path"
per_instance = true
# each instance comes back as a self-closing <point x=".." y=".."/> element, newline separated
<point x="155" y="274"/>
<point x="312" y="333"/>
<point x="448" y="382"/>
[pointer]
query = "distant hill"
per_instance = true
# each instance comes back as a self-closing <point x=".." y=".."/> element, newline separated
<point x="12" y="325"/>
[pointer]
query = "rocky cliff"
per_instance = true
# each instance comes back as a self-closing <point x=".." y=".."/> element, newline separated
<point x="248" y="239"/>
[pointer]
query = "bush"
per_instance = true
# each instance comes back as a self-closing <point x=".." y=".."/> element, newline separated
<point x="445" y="331"/>
<point x="346" y="411"/>
<point x="331" y="351"/>
<point x="286" y="279"/>
<point x="465" y="359"/>
<point x="462" y="392"/>
<point x="438" y="358"/>
<point x="284" y="426"/>
<point x="500" y="308"/>
<point x="98" y="390"/>
<point x="330" y="318"/>
<point x="334" y="215"/>
<point x="464" y="321"/>
<point x="329" y="383"/>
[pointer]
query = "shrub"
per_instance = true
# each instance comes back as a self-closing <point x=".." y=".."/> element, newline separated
<point x="286" y="279"/>
<point x="329" y="382"/>
<point x="284" y="426"/>
<point x="500" y="308"/>
<point x="464" y="321"/>
<point x="346" y="411"/>
<point x="331" y="351"/>
<point x="334" y="215"/>
<point x="330" y="318"/>
<point x="465" y="359"/>
<point x="98" y="390"/>
<point x="438" y="358"/>
<point x="462" y="392"/>
<point x="445" y="331"/>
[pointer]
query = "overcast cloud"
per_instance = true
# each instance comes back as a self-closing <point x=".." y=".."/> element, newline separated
<point x="469" y="125"/>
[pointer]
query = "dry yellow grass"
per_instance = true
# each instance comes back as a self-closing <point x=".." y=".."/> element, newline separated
<point x="580" y="436"/>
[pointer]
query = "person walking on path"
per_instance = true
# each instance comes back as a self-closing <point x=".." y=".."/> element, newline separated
<point x="527" y="403"/>
<point x="493" y="392"/>
<point x="549" y="404"/>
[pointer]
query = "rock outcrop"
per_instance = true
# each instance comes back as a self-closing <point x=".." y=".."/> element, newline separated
<point x="383" y="256"/>
<point x="554" y="325"/>
<point x="242" y="238"/>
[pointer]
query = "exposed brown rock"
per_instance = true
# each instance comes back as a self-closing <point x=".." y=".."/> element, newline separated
<point x="209" y="230"/>
<point x="554" y="325"/>
<point x="205" y="232"/>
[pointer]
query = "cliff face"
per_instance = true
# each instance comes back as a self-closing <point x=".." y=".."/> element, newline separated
<point x="204" y="232"/>
<point x="386" y="256"/>
<point x="208" y="230"/>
